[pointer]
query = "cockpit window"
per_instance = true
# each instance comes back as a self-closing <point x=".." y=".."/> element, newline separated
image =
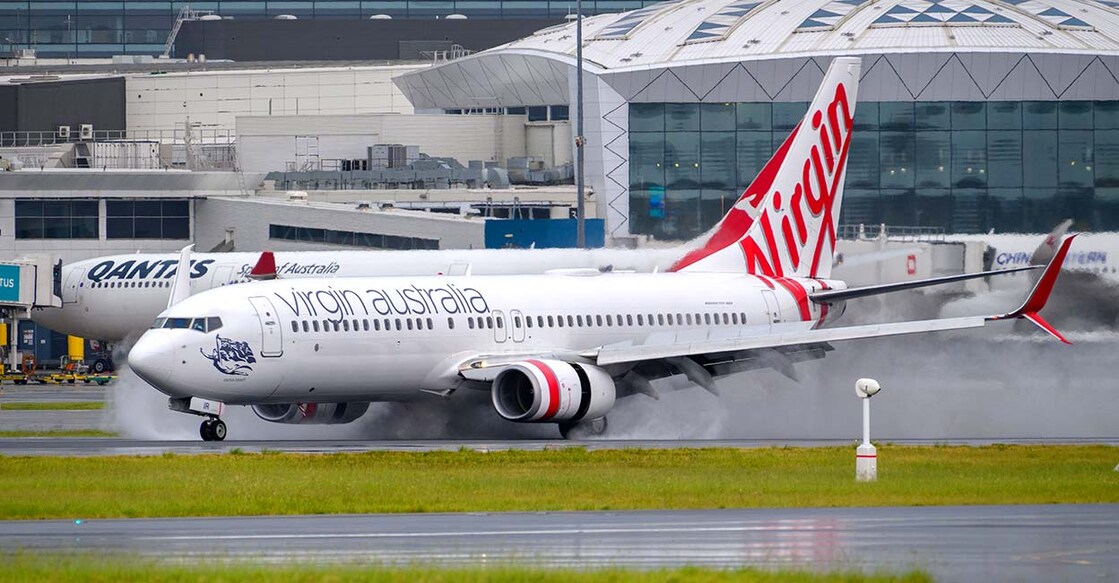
<point x="200" y="324"/>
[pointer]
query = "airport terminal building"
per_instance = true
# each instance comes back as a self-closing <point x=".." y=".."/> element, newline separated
<point x="972" y="115"/>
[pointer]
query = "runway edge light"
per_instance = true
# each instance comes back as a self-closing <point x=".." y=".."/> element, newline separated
<point x="866" y="456"/>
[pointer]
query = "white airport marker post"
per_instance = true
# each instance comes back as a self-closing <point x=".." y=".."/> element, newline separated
<point x="866" y="456"/>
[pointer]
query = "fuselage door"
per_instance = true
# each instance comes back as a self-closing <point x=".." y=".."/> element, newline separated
<point x="273" y="339"/>
<point x="500" y="326"/>
<point x="517" y="324"/>
<point x="71" y="291"/>
<point x="772" y="306"/>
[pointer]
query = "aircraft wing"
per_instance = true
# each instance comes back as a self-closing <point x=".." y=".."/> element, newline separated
<point x="663" y="348"/>
<point x="619" y="353"/>
<point x="680" y="350"/>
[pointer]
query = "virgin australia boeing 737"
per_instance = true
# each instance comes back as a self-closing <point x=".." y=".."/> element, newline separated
<point x="558" y="348"/>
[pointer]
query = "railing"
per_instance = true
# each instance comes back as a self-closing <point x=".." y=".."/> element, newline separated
<point x="904" y="233"/>
<point x="171" y="136"/>
<point x="455" y="52"/>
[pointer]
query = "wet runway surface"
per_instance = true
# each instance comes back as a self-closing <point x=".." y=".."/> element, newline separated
<point x="979" y="543"/>
<point x="37" y="420"/>
<point x="99" y="446"/>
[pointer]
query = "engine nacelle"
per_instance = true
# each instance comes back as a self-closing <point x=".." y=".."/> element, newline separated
<point x="550" y="391"/>
<point x="311" y="413"/>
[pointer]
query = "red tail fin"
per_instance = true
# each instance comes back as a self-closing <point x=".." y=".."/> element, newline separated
<point x="784" y="224"/>
<point x="265" y="267"/>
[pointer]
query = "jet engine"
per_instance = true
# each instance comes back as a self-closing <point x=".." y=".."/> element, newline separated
<point x="542" y="391"/>
<point x="311" y="413"/>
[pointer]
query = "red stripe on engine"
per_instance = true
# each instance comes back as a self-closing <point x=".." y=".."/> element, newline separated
<point x="553" y="389"/>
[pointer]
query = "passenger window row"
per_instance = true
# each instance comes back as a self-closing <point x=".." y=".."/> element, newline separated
<point x="638" y="320"/>
<point x="130" y="284"/>
<point x="362" y="325"/>
<point x="553" y="321"/>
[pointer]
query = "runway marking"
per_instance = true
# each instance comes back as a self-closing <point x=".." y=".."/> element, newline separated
<point x="559" y="531"/>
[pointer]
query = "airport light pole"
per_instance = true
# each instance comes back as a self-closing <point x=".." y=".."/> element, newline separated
<point x="580" y="207"/>
<point x="866" y="456"/>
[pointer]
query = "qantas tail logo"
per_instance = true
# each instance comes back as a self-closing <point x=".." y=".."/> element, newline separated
<point x="784" y="225"/>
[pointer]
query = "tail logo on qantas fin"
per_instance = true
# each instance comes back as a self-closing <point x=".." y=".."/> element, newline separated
<point x="784" y="225"/>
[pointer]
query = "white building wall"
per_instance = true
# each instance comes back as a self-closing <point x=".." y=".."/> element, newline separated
<point x="606" y="154"/>
<point x="268" y="143"/>
<point x="214" y="99"/>
<point x="250" y="217"/>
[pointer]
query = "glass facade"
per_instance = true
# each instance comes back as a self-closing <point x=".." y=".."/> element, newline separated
<point x="86" y="29"/>
<point x="147" y="219"/>
<point x="965" y="166"/>
<point x="56" y="219"/>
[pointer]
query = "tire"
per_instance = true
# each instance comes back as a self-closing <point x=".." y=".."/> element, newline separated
<point x="206" y="430"/>
<point x="99" y="365"/>
<point x="217" y="430"/>
<point x="583" y="429"/>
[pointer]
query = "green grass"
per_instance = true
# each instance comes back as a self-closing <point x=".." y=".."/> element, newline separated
<point x="42" y="568"/>
<point x="53" y="406"/>
<point x="59" y="433"/>
<point x="565" y="479"/>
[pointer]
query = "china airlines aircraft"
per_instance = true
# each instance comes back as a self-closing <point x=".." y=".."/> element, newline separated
<point x="553" y="348"/>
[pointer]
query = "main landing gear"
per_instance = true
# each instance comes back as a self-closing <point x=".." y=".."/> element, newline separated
<point x="213" y="428"/>
<point x="583" y="429"/>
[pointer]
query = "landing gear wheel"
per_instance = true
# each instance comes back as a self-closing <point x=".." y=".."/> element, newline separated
<point x="583" y="429"/>
<point x="212" y="430"/>
<point x="217" y="430"/>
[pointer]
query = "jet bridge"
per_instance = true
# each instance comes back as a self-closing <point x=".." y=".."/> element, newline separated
<point x="27" y="284"/>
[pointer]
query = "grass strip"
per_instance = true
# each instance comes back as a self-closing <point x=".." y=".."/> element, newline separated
<point x="53" y="406"/>
<point x="240" y="484"/>
<point x="59" y="433"/>
<point x="79" y="569"/>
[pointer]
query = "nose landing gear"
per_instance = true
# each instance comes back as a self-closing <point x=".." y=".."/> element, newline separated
<point x="213" y="428"/>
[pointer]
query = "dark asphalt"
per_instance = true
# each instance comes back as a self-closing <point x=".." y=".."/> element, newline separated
<point x="977" y="543"/>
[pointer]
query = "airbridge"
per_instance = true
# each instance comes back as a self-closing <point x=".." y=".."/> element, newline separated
<point x="26" y="284"/>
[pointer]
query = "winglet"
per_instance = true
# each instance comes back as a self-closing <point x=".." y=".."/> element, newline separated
<point x="1040" y="294"/>
<point x="265" y="267"/>
<point x="180" y="286"/>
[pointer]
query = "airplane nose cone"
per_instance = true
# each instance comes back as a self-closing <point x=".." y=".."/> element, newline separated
<point x="151" y="359"/>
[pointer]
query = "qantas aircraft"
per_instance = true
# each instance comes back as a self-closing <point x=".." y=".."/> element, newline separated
<point x="552" y="348"/>
<point x="108" y="298"/>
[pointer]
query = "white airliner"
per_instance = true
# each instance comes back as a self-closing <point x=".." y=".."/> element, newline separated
<point x="1097" y="253"/>
<point x="108" y="298"/>
<point x="553" y="348"/>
